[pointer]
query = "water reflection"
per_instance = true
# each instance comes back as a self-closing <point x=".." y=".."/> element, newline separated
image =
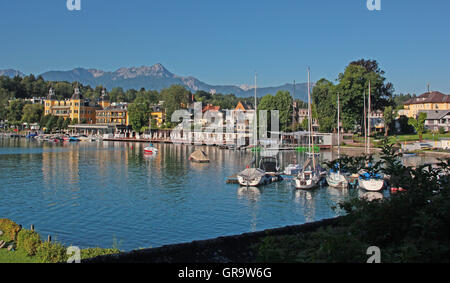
<point x="370" y="196"/>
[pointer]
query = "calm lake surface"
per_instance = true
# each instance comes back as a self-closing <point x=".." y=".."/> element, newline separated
<point x="98" y="194"/>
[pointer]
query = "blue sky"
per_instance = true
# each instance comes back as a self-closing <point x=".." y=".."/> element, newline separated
<point x="226" y="41"/>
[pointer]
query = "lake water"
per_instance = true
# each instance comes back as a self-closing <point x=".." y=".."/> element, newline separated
<point x="98" y="194"/>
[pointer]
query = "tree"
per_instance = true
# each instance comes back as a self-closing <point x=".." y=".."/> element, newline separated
<point x="60" y="123"/>
<point x="418" y="124"/>
<point x="174" y="97"/>
<point x="389" y="115"/>
<point x="354" y="83"/>
<point x="324" y="95"/>
<point x="51" y="123"/>
<point x="66" y="123"/>
<point x="15" y="111"/>
<point x="32" y="113"/>
<point x="282" y="102"/>
<point x="139" y="114"/>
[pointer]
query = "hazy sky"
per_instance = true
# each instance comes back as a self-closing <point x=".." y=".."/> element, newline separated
<point x="226" y="41"/>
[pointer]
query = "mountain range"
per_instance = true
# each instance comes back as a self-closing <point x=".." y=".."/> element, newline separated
<point x="155" y="77"/>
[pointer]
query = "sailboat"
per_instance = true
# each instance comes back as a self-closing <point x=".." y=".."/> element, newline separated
<point x="150" y="149"/>
<point x="254" y="177"/>
<point x="293" y="169"/>
<point x="309" y="177"/>
<point x="367" y="180"/>
<point x="335" y="178"/>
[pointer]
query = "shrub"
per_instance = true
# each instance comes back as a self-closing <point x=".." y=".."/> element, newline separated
<point x="94" y="252"/>
<point x="49" y="252"/>
<point x="28" y="241"/>
<point x="10" y="228"/>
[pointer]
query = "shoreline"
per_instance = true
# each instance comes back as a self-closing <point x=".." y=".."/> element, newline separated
<point x="225" y="249"/>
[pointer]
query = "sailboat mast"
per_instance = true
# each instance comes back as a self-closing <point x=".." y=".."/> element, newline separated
<point x="368" y="122"/>
<point x="338" y="129"/>
<point x="365" y="123"/>
<point x="256" y="115"/>
<point x="309" y="115"/>
<point x="293" y="109"/>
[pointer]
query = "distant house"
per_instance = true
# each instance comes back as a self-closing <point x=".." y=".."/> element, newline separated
<point x="158" y="114"/>
<point x="437" y="119"/>
<point x="426" y="102"/>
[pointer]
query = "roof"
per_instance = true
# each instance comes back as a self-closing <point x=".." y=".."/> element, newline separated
<point x="243" y="106"/>
<point x="210" y="107"/>
<point x="77" y="94"/>
<point x="429" y="97"/>
<point x="435" y="114"/>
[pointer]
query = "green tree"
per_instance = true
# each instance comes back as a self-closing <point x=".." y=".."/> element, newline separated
<point x="15" y="111"/>
<point x="51" y="123"/>
<point x="66" y="123"/>
<point x="419" y="124"/>
<point x="325" y="96"/>
<point x="282" y="102"/>
<point x="174" y="97"/>
<point x="389" y="115"/>
<point x="139" y="114"/>
<point x="32" y="113"/>
<point x="354" y="83"/>
<point x="60" y="123"/>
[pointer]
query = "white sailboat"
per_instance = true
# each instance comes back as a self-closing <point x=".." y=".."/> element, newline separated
<point x="309" y="177"/>
<point x="254" y="177"/>
<point x="293" y="169"/>
<point x="334" y="178"/>
<point x="369" y="181"/>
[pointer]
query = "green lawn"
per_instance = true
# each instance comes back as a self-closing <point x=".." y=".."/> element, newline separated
<point x="427" y="136"/>
<point x="16" y="256"/>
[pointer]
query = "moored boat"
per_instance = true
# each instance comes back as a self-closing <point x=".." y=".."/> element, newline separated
<point x="371" y="182"/>
<point x="150" y="149"/>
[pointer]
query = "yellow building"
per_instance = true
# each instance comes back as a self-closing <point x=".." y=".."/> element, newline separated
<point x="111" y="114"/>
<point x="74" y="108"/>
<point x="158" y="114"/>
<point x="428" y="101"/>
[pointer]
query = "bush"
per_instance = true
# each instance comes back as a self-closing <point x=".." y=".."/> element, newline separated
<point x="28" y="241"/>
<point x="10" y="228"/>
<point x="94" y="252"/>
<point x="49" y="252"/>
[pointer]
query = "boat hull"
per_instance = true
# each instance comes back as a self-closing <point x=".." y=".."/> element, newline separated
<point x="150" y="150"/>
<point x="371" y="185"/>
<point x="336" y="180"/>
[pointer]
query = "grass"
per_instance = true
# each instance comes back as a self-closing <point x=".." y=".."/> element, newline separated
<point x="51" y="254"/>
<point x="15" y="256"/>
